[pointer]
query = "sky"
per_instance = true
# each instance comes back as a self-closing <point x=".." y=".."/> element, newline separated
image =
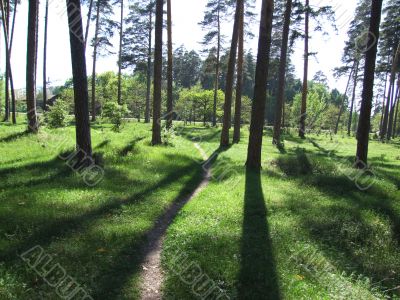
<point x="186" y="16"/>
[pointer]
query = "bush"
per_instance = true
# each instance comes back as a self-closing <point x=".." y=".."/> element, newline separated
<point x="168" y="136"/>
<point x="57" y="114"/>
<point x="115" y="114"/>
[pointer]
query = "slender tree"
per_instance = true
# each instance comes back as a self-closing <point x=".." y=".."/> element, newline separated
<point x="239" y="79"/>
<point x="95" y="44"/>
<point x="397" y="109"/>
<point x="46" y="20"/>
<point x="260" y="88"/>
<point x="282" y="74"/>
<point x="213" y="16"/>
<point x="149" y="57"/>
<point x="89" y="16"/>
<point x="226" y="124"/>
<point x="121" y="32"/>
<point x="81" y="96"/>
<point x="31" y="66"/>
<point x="156" y="136"/>
<point x="364" y="124"/>
<point x="342" y="105"/>
<point x="353" y="97"/>
<point x="169" y="68"/>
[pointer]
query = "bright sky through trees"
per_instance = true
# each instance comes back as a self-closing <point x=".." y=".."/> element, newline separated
<point x="186" y="15"/>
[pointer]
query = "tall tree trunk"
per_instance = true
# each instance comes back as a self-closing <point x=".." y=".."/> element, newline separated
<point x="6" y="20"/>
<point x="303" y="113"/>
<point x="169" y="69"/>
<point x="121" y="28"/>
<point x="353" y="97"/>
<point x="364" y="124"/>
<point x="239" y="79"/>
<point x="216" y="82"/>
<point x="280" y="98"/>
<point x="89" y="15"/>
<point x="148" y="91"/>
<point x="31" y="65"/>
<point x="344" y="100"/>
<point x="81" y="96"/>
<point x="383" y="103"/>
<point x="390" y="94"/>
<point x="11" y="36"/>
<point x="96" y="34"/>
<point x="226" y="124"/>
<point x="260" y="88"/>
<point x="156" y="137"/>
<point x="46" y="19"/>
<point x="392" y="114"/>
<point x="397" y="110"/>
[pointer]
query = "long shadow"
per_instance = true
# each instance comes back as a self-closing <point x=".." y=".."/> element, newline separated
<point x="130" y="147"/>
<point x="258" y="276"/>
<point x="14" y="136"/>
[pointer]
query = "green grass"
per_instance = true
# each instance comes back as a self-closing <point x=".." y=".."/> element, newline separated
<point x="94" y="233"/>
<point x="300" y="229"/>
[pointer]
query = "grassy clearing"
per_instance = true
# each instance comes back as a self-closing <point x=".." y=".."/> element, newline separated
<point x="94" y="233"/>
<point x="301" y="229"/>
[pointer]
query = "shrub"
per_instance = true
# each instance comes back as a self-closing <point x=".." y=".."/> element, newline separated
<point x="115" y="113"/>
<point x="57" y="114"/>
<point x="168" y="136"/>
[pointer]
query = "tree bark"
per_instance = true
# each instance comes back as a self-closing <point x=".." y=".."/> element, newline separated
<point x="148" y="91"/>
<point x="31" y="66"/>
<point x="5" y="18"/>
<point x="239" y="79"/>
<point x="81" y="96"/>
<point x="45" y="56"/>
<point x="353" y="97"/>
<point x="89" y="15"/>
<point x="156" y="136"/>
<point x="396" y="57"/>
<point x="397" y="110"/>
<point x="216" y="84"/>
<point x="364" y="124"/>
<point x="280" y="98"/>
<point x="170" y="103"/>
<point x="226" y="124"/>
<point x="121" y="28"/>
<point x="392" y="113"/>
<point x="260" y="88"/>
<point x="303" y="113"/>
<point x="96" y="34"/>
<point x="383" y="103"/>
<point x="344" y="100"/>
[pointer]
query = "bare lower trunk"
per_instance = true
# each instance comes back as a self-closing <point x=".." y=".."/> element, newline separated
<point x="302" y="129"/>
<point x="96" y="34"/>
<point x="31" y="66"/>
<point x="392" y="114"/>
<point x="226" y="124"/>
<point x="353" y="97"/>
<point x="156" y="136"/>
<point x="280" y="99"/>
<point x="239" y="79"/>
<point x="81" y="96"/>
<point x="397" y="111"/>
<point x="45" y="57"/>
<point x="121" y="28"/>
<point x="383" y="103"/>
<point x="344" y="101"/>
<point x="169" y="71"/>
<point x="364" y="124"/>
<point x="260" y="88"/>
<point x="385" y="123"/>
<point x="216" y="83"/>
<point x="148" y="91"/>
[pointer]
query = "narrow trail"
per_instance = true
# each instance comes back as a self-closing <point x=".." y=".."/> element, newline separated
<point x="152" y="274"/>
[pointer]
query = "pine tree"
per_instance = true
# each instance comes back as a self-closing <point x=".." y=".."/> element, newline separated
<point x="81" y="96"/>
<point x="46" y="20"/>
<point x="260" y="88"/>
<point x="364" y="124"/>
<point x="169" y="68"/>
<point x="31" y="66"/>
<point x="158" y="61"/>
<point x="213" y="17"/>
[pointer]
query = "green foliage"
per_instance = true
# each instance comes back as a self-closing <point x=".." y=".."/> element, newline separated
<point x="57" y="114"/>
<point x="115" y="113"/>
<point x="168" y="136"/>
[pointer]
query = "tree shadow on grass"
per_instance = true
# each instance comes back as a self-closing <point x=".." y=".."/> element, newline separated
<point x="258" y="276"/>
<point x="14" y="136"/>
<point x="131" y="147"/>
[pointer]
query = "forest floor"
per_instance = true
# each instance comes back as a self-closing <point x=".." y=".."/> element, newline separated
<point x="306" y="227"/>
